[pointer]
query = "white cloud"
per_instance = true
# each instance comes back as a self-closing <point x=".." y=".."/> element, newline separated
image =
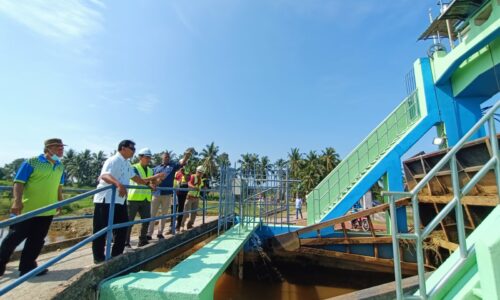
<point x="63" y="21"/>
<point x="147" y="103"/>
<point x="185" y="21"/>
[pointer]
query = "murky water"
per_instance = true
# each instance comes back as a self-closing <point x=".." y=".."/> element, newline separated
<point x="52" y="237"/>
<point x="169" y="264"/>
<point x="230" y="287"/>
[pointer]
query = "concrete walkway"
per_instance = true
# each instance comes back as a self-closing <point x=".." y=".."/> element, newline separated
<point x="63" y="273"/>
<point x="193" y="278"/>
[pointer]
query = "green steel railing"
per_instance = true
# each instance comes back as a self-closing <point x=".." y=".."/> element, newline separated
<point x="455" y="205"/>
<point x="338" y="183"/>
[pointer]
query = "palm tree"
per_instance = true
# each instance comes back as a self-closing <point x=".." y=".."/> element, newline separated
<point x="294" y="160"/>
<point x="84" y="164"/>
<point x="96" y="164"/>
<point x="311" y="173"/>
<point x="263" y="167"/>
<point x="209" y="155"/>
<point x="280" y="164"/>
<point x="249" y="162"/>
<point x="70" y="167"/>
<point x="223" y="160"/>
<point x="11" y="169"/>
<point x="193" y="162"/>
<point x="330" y="159"/>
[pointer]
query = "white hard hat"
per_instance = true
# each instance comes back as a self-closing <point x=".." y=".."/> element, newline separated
<point x="200" y="169"/>
<point x="145" y="152"/>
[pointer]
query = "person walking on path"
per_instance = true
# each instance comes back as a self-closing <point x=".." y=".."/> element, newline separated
<point x="116" y="171"/>
<point x="193" y="197"/>
<point x="139" y="200"/>
<point x="298" y="207"/>
<point x="38" y="183"/>
<point x="163" y="198"/>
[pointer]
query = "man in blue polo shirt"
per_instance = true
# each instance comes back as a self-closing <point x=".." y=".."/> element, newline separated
<point x="165" y="198"/>
<point x="38" y="183"/>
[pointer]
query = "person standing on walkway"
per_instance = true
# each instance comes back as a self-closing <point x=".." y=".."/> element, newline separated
<point x="38" y="183"/>
<point x="181" y="181"/>
<point x="116" y="171"/>
<point x="193" y="197"/>
<point x="139" y="200"/>
<point x="163" y="198"/>
<point x="298" y="207"/>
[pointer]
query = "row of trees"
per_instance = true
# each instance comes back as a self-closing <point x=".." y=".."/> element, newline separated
<point x="310" y="168"/>
<point x="83" y="168"/>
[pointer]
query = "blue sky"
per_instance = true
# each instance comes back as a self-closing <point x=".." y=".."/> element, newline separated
<point x="252" y="76"/>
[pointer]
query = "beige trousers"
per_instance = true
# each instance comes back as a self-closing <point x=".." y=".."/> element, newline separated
<point x="163" y="201"/>
<point x="191" y="204"/>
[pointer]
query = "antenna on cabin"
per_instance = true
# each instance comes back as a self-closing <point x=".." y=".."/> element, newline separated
<point x="434" y="41"/>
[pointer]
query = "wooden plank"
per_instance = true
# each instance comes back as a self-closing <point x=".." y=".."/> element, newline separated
<point x="472" y="169"/>
<point x="345" y="241"/>
<point x="478" y="200"/>
<point x="461" y="168"/>
<point x="469" y="217"/>
<point x="441" y="223"/>
<point x="348" y="249"/>
<point x="425" y="173"/>
<point x="444" y="151"/>
<point x="347" y="218"/>
<point x="372" y="231"/>
<point x="446" y="244"/>
<point x="382" y="263"/>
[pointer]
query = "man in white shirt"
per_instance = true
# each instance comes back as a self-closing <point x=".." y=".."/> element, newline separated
<point x="116" y="171"/>
<point x="298" y="207"/>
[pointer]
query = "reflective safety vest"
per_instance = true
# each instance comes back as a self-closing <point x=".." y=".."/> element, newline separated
<point x="198" y="184"/>
<point x="140" y="194"/>
<point x="177" y="183"/>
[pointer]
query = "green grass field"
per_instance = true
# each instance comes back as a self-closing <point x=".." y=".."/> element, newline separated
<point x="75" y="208"/>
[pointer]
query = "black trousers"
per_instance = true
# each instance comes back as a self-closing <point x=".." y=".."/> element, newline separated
<point x="101" y="211"/>
<point x="34" y="230"/>
<point x="144" y="210"/>
<point x="181" y="200"/>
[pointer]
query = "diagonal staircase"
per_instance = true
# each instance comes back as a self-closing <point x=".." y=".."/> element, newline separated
<point x="339" y="183"/>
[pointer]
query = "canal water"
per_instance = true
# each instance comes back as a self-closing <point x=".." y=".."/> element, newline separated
<point x="230" y="287"/>
<point x="266" y="279"/>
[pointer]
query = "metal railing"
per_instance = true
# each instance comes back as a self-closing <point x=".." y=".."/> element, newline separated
<point x="246" y="208"/>
<point x="336" y="185"/>
<point x="264" y="198"/>
<point x="108" y="230"/>
<point x="455" y="204"/>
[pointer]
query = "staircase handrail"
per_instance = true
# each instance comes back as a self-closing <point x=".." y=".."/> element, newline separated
<point x="420" y="234"/>
<point x="412" y="115"/>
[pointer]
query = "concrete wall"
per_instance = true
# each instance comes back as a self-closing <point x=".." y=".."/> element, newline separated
<point x="85" y="286"/>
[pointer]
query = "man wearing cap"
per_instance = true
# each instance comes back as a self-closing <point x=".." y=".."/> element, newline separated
<point x="139" y="200"/>
<point x="116" y="171"/>
<point x="38" y="183"/>
<point x="164" y="198"/>
<point x="193" y="197"/>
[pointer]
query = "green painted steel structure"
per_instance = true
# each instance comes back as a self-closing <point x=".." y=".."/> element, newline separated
<point x="479" y="276"/>
<point x="193" y="278"/>
<point x="337" y="184"/>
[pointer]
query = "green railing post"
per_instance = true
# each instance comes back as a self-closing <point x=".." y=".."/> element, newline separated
<point x="496" y="154"/>
<point x="111" y="215"/>
<point x="459" y="215"/>
<point x="395" y="248"/>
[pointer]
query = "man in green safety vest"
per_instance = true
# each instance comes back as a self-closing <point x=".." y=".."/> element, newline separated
<point x="139" y="200"/>
<point x="193" y="197"/>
